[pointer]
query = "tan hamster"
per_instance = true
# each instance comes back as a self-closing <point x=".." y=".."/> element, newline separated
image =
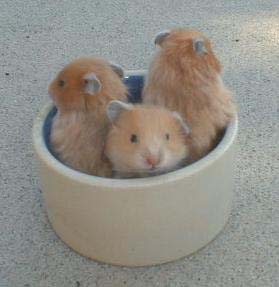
<point x="81" y="92"/>
<point x="185" y="76"/>
<point x="145" y="140"/>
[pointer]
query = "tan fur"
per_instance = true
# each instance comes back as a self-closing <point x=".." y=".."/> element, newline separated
<point x="80" y="126"/>
<point x="189" y="83"/>
<point x="150" y="124"/>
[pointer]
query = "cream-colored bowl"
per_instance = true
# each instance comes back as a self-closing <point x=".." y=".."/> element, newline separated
<point x="137" y="222"/>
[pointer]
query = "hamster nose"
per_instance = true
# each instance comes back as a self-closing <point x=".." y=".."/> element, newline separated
<point x="152" y="160"/>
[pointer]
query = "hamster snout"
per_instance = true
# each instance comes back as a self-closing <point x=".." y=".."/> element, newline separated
<point x="152" y="160"/>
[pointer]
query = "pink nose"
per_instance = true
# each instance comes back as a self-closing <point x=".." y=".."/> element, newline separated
<point x="152" y="160"/>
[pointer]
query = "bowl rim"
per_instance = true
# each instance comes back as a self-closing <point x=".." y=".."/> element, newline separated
<point x="45" y="155"/>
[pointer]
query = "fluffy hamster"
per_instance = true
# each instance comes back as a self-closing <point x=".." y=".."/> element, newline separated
<point x="185" y="76"/>
<point x="81" y="92"/>
<point x="145" y="140"/>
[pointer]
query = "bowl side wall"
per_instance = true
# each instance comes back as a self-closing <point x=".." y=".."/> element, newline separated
<point x="143" y="226"/>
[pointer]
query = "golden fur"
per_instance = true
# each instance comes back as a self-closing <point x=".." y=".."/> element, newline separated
<point x="150" y="124"/>
<point x="80" y="126"/>
<point x="185" y="81"/>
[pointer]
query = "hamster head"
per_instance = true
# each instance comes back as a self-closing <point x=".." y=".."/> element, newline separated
<point x="187" y="49"/>
<point x="85" y="83"/>
<point x="145" y="139"/>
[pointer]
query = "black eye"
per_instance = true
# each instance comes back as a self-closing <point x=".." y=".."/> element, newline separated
<point x="134" y="138"/>
<point x="167" y="137"/>
<point x="61" y="83"/>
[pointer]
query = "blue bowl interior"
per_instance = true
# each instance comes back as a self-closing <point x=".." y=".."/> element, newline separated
<point x="135" y="85"/>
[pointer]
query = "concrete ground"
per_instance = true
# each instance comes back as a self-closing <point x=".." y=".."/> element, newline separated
<point x="39" y="37"/>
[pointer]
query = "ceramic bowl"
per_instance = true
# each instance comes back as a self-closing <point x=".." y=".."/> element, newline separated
<point x="136" y="222"/>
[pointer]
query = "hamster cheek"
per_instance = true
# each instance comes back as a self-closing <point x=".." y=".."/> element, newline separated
<point x="139" y="161"/>
<point x="172" y="157"/>
<point x="166" y="159"/>
<point x="183" y="151"/>
<point x="126" y="161"/>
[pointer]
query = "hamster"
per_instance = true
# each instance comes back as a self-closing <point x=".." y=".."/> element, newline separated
<point x="185" y="76"/>
<point x="145" y="140"/>
<point x="81" y="92"/>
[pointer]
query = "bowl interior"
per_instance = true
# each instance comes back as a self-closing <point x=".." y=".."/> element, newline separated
<point x="134" y="81"/>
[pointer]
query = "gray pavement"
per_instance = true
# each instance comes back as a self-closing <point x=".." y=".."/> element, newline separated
<point x="38" y="37"/>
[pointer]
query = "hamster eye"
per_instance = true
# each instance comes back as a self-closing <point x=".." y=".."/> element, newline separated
<point x="61" y="83"/>
<point x="167" y="136"/>
<point x="134" y="138"/>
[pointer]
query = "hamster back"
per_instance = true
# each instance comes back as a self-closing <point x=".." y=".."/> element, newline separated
<point x="81" y="92"/>
<point x="185" y="75"/>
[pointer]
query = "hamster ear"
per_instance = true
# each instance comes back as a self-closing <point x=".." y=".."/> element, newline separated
<point x="115" y="108"/>
<point x="160" y="37"/>
<point x="199" y="46"/>
<point x="183" y="124"/>
<point x="117" y="69"/>
<point x="92" y="84"/>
